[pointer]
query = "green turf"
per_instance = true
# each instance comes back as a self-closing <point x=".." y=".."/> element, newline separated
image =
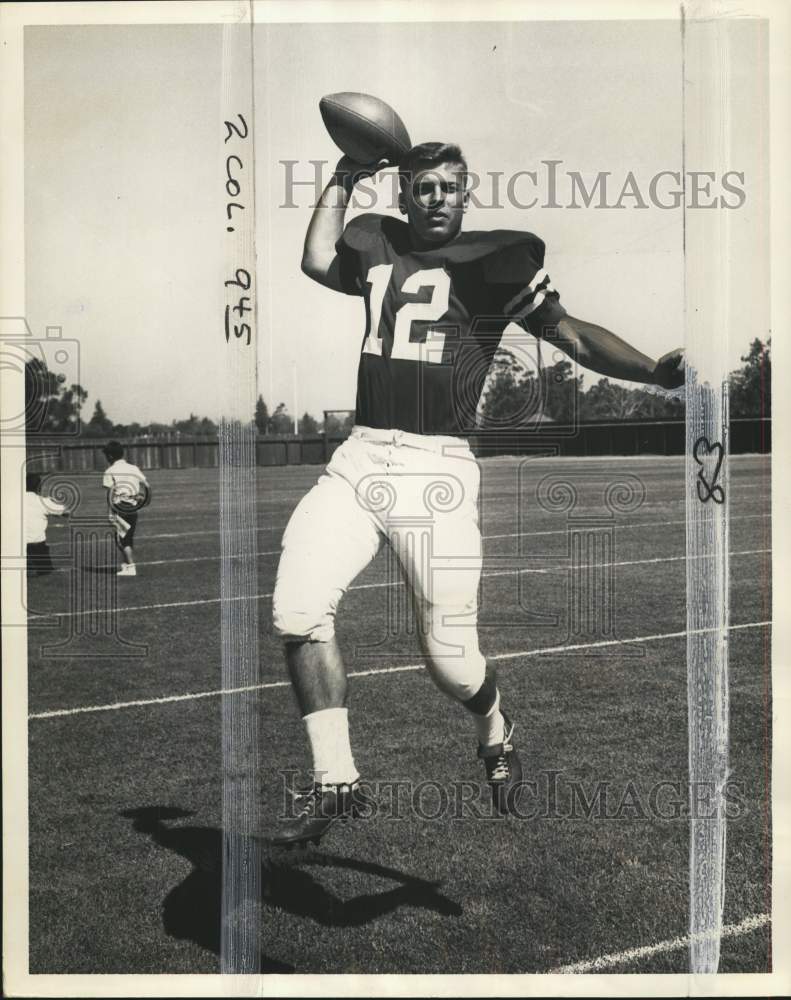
<point x="125" y="806"/>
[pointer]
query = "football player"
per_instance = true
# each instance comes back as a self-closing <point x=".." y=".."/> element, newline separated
<point x="436" y="303"/>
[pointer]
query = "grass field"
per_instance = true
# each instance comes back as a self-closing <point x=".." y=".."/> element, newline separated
<point x="125" y="758"/>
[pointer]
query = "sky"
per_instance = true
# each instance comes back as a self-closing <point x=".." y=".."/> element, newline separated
<point x="122" y="159"/>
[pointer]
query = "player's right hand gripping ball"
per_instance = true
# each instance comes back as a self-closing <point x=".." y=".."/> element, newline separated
<point x="364" y="127"/>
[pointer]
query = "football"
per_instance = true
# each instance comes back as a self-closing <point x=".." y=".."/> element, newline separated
<point x="364" y="127"/>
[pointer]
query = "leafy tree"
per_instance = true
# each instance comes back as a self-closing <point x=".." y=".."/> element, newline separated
<point x="658" y="406"/>
<point x="133" y="430"/>
<point x="606" y="400"/>
<point x="41" y="387"/>
<point x="261" y="416"/>
<point x="751" y="386"/>
<point x="157" y="430"/>
<point x="560" y="391"/>
<point x="50" y="407"/>
<point x="511" y="395"/>
<point x="308" y="424"/>
<point x="280" y="422"/>
<point x="100" y="424"/>
<point x="516" y="397"/>
<point x="68" y="406"/>
<point x="333" y="425"/>
<point x="195" y="426"/>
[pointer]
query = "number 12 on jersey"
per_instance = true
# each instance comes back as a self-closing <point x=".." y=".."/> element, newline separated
<point x="404" y="349"/>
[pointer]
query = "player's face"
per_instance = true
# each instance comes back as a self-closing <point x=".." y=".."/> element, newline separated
<point x="435" y="203"/>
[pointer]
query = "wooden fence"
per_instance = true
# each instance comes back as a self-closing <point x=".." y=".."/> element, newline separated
<point x="624" y="438"/>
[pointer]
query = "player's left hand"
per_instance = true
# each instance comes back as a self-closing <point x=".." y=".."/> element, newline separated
<point x="669" y="370"/>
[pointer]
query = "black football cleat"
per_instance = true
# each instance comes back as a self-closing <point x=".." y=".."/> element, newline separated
<point x="315" y="809"/>
<point x="503" y="770"/>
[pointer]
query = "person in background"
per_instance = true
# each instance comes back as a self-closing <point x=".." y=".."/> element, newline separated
<point x="126" y="487"/>
<point x="37" y="510"/>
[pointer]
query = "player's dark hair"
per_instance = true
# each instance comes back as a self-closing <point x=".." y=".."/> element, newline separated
<point x="113" y="450"/>
<point x="33" y="482"/>
<point x="429" y="154"/>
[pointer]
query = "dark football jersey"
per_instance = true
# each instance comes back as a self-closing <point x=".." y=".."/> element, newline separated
<point x="434" y="318"/>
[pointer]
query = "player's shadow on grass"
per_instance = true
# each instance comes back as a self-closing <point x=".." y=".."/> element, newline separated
<point x="192" y="909"/>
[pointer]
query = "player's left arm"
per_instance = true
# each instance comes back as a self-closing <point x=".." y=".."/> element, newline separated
<point x="536" y="306"/>
<point x="604" y="352"/>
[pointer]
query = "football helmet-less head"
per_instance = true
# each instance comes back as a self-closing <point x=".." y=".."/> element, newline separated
<point x="433" y="192"/>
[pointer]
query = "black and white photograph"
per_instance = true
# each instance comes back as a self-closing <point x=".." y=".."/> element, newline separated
<point x="388" y="536"/>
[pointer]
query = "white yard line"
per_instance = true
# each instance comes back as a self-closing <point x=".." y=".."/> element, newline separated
<point x="281" y="527"/>
<point x="746" y="926"/>
<point x="622" y="527"/>
<point x="509" y="534"/>
<point x="271" y="685"/>
<point x="376" y="586"/>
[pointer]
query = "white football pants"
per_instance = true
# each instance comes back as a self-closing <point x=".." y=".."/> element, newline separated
<point x="417" y="493"/>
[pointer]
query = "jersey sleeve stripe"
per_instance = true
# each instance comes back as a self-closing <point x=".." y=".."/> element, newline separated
<point x="516" y="306"/>
<point x="530" y="307"/>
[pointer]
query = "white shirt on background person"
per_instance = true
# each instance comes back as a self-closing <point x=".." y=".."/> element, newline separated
<point x="37" y="508"/>
<point x="123" y="472"/>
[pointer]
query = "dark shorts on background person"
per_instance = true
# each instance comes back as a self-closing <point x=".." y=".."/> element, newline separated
<point x="38" y="559"/>
<point x="128" y="539"/>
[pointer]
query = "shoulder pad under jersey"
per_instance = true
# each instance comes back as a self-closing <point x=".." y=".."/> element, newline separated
<point x="506" y="255"/>
<point x="363" y="232"/>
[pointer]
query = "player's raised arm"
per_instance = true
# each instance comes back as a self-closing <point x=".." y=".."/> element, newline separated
<point x="320" y="259"/>
<point x="601" y="351"/>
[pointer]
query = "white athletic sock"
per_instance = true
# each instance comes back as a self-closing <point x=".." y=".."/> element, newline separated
<point x="328" y="732"/>
<point x="490" y="727"/>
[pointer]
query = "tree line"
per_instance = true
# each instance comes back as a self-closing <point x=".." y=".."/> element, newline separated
<point x="513" y="396"/>
<point x="516" y="395"/>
